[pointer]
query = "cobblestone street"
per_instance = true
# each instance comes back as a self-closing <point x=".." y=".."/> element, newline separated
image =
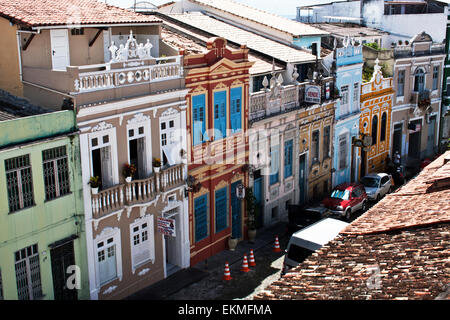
<point x="243" y="285"/>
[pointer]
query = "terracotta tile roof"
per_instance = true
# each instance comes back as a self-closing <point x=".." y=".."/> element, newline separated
<point x="411" y="264"/>
<point x="403" y="241"/>
<point x="262" y="17"/>
<point x="68" y="12"/>
<point x="194" y="41"/>
<point x="253" y="41"/>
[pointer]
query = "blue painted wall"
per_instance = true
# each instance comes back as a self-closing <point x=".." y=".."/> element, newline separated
<point x="348" y="73"/>
<point x="306" y="42"/>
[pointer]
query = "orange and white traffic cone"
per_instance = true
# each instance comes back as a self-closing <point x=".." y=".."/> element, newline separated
<point x="245" y="267"/>
<point x="226" y="273"/>
<point x="276" y="248"/>
<point x="251" y="261"/>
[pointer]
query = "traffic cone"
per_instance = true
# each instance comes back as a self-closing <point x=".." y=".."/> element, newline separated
<point x="245" y="265"/>
<point x="251" y="261"/>
<point x="226" y="273"/>
<point x="276" y="248"/>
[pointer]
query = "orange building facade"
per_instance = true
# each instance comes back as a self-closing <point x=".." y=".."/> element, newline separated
<point x="217" y="120"/>
<point x="375" y="121"/>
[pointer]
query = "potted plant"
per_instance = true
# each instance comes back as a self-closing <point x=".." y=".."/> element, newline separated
<point x="128" y="171"/>
<point x="95" y="184"/>
<point x="156" y="164"/>
<point x="251" y="210"/>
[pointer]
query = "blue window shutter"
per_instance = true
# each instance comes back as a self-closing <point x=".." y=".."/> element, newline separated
<point x="288" y="146"/>
<point x="201" y="218"/>
<point x="220" y="114"/>
<point x="236" y="109"/>
<point x="274" y="164"/>
<point x="198" y="118"/>
<point x="221" y="209"/>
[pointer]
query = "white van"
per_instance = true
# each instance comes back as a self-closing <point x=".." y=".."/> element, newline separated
<point x="306" y="241"/>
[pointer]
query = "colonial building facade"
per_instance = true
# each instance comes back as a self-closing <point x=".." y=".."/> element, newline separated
<point x="218" y="147"/>
<point x="129" y="99"/>
<point x="418" y="72"/>
<point x="348" y="65"/>
<point x="375" y="121"/>
<point x="42" y="237"/>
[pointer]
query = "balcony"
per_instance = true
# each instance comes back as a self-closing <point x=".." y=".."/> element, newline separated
<point x="274" y="101"/>
<point x="116" y="75"/>
<point x="138" y="191"/>
<point x="405" y="51"/>
<point x="369" y="87"/>
<point x="421" y="98"/>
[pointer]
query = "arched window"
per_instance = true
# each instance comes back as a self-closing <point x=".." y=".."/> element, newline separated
<point x="419" y="80"/>
<point x="383" y="127"/>
<point x="374" y="129"/>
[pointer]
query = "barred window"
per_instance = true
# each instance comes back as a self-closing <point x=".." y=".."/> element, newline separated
<point x="28" y="273"/>
<point x="56" y="172"/>
<point x="19" y="182"/>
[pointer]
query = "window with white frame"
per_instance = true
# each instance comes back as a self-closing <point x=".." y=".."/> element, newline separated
<point x="137" y="147"/>
<point x="101" y="153"/>
<point x="55" y="164"/>
<point x="343" y="151"/>
<point x="435" y="77"/>
<point x="142" y="241"/>
<point x="28" y="273"/>
<point x="170" y="140"/>
<point x="419" y="80"/>
<point x="344" y="101"/>
<point x="107" y="260"/>
<point x="19" y="182"/>
<point x="401" y="83"/>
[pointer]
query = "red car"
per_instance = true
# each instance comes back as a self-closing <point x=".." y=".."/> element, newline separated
<point x="346" y="199"/>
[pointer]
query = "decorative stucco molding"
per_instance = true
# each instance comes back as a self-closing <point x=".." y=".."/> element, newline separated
<point x="102" y="126"/>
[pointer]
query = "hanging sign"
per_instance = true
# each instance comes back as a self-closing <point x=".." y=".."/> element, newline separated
<point x="312" y="94"/>
<point x="166" y="226"/>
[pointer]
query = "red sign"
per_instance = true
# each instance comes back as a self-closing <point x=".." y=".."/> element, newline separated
<point x="312" y="94"/>
<point x="166" y="226"/>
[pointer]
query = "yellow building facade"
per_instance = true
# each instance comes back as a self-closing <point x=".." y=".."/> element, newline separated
<point x="375" y="121"/>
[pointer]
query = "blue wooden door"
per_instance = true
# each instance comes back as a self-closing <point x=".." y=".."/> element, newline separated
<point x="220" y="114"/>
<point x="257" y="192"/>
<point x="236" y="214"/>
<point x="236" y="107"/>
<point x="201" y="218"/>
<point x="221" y="209"/>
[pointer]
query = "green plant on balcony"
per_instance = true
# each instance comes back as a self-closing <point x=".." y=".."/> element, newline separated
<point x="423" y="102"/>
<point x="95" y="182"/>
<point x="156" y="162"/>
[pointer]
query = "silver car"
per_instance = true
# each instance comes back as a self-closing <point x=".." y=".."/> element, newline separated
<point x="377" y="185"/>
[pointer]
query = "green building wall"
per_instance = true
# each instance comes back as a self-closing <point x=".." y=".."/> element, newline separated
<point x="47" y="221"/>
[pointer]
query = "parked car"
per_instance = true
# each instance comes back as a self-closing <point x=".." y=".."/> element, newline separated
<point x="306" y="241"/>
<point x="345" y="199"/>
<point x="303" y="216"/>
<point x="377" y="185"/>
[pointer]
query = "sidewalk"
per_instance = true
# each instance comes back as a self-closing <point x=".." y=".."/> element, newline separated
<point x="183" y="278"/>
